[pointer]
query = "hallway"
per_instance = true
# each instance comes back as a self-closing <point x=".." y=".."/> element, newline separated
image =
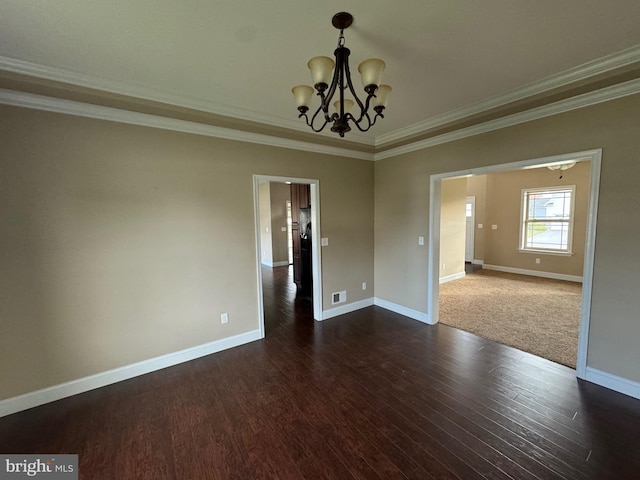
<point x="282" y="306"/>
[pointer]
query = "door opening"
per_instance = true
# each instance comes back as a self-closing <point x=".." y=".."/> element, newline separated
<point x="470" y="213"/>
<point x="595" y="158"/>
<point x="314" y="241"/>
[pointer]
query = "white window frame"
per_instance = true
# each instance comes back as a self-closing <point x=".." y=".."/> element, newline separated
<point x="524" y="220"/>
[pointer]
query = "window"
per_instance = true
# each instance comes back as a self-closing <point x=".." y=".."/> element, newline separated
<point x="469" y="210"/>
<point x="547" y="219"/>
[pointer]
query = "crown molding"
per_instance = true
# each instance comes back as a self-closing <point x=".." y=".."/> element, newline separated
<point x="599" y="66"/>
<point x="580" y="101"/>
<point x="40" y="102"/>
<point x="22" y="67"/>
<point x="69" y="107"/>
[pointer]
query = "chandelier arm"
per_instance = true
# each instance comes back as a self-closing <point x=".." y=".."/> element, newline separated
<point x="313" y="119"/>
<point x="323" y="106"/>
<point x="363" y="109"/>
<point x="377" y="115"/>
<point x="370" y="123"/>
<point x="359" y="121"/>
<point x="326" y="99"/>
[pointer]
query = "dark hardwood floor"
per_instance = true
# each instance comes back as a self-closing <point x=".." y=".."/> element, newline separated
<point x="368" y="395"/>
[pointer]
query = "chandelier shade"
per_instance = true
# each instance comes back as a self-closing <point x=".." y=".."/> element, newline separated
<point x="333" y="78"/>
<point x="382" y="95"/>
<point x="302" y="94"/>
<point x="321" y="69"/>
<point x="371" y="72"/>
<point x="348" y="105"/>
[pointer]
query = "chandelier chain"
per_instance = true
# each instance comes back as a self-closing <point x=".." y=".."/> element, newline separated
<point x="341" y="39"/>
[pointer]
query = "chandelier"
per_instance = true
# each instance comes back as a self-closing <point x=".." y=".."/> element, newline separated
<point x="328" y="85"/>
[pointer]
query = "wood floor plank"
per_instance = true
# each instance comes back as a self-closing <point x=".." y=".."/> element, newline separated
<point x="531" y="431"/>
<point x="367" y="395"/>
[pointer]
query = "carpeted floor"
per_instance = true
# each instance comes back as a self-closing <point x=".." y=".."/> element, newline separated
<point x="537" y="315"/>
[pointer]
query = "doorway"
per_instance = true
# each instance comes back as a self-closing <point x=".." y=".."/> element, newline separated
<point x="469" y="240"/>
<point x="315" y="253"/>
<point x="595" y="157"/>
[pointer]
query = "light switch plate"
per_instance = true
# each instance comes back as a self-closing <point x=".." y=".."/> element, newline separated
<point x="324" y="242"/>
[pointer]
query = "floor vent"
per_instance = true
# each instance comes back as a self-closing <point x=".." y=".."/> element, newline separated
<point x="338" y="297"/>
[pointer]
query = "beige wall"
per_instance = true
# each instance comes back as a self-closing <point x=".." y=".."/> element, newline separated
<point x="264" y="203"/>
<point x="273" y="215"/>
<point x="280" y="193"/>
<point x="477" y="187"/>
<point x="121" y="243"/>
<point x="453" y="226"/>
<point x="503" y="207"/>
<point x="402" y="203"/>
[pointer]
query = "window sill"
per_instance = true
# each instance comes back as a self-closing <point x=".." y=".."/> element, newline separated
<point x="547" y="252"/>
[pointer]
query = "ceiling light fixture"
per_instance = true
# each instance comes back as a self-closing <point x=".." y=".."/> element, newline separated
<point x="561" y="166"/>
<point x="321" y="68"/>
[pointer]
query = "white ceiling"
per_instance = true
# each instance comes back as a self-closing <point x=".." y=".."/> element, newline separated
<point x="241" y="58"/>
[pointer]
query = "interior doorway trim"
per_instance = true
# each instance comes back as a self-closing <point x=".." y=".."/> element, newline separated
<point x="316" y="263"/>
<point x="435" y="185"/>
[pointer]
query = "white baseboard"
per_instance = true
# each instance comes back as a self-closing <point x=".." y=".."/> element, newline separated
<point x="347" y="308"/>
<point x="477" y="262"/>
<point x="407" y="312"/>
<point x="613" y="382"/>
<point x="534" y="273"/>
<point x="453" y="276"/>
<point x="267" y="263"/>
<point x="57" y="392"/>
<point x="394" y="307"/>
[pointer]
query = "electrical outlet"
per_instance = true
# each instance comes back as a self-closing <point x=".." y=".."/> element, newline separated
<point x="224" y="318"/>
<point x="538" y="261"/>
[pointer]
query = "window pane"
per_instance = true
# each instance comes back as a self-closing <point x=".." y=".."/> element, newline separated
<point x="547" y="235"/>
<point x="549" y="205"/>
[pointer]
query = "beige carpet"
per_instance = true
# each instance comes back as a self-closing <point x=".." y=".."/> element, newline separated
<point x="537" y="315"/>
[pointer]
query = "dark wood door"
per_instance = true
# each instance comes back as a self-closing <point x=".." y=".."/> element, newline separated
<point x="301" y="233"/>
